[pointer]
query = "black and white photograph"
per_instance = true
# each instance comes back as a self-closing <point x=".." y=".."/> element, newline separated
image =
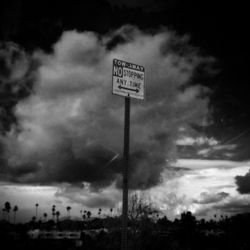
<point x="124" y="124"/>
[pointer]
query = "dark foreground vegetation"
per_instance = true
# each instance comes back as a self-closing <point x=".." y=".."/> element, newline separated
<point x="146" y="231"/>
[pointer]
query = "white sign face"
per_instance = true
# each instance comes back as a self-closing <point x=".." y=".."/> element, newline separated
<point x="128" y="79"/>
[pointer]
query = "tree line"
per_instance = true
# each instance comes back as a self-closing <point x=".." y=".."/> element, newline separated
<point x="147" y="229"/>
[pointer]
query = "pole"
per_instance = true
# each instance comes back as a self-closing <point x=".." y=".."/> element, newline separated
<point x="125" y="174"/>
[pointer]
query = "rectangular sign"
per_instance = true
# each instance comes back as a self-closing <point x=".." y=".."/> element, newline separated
<point x="128" y="79"/>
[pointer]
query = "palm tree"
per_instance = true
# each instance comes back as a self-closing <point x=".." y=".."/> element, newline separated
<point x="33" y="221"/>
<point x="45" y="215"/>
<point x="111" y="211"/>
<point x="57" y="216"/>
<point x="88" y="214"/>
<point x="36" y="208"/>
<point x="15" y="209"/>
<point x="68" y="210"/>
<point x="99" y="212"/>
<point x="53" y="211"/>
<point x="7" y="209"/>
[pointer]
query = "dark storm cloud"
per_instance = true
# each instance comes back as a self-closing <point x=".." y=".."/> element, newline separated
<point x="102" y="199"/>
<point x="207" y="198"/>
<point x="64" y="166"/>
<point x="71" y="127"/>
<point x="39" y="24"/>
<point x="16" y="80"/>
<point x="243" y="183"/>
<point x="229" y="206"/>
<point x="235" y="206"/>
<point x="145" y="5"/>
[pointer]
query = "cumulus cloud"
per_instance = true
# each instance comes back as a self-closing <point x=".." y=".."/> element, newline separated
<point x="71" y="126"/>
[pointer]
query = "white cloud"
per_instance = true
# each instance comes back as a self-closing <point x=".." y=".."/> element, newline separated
<point x="209" y="177"/>
<point x="191" y="141"/>
<point x="203" y="164"/>
<point x="71" y="126"/>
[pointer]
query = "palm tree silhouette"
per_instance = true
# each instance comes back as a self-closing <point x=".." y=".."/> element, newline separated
<point x="33" y="221"/>
<point x="15" y="209"/>
<point x="7" y="207"/>
<point x="68" y="210"/>
<point x="57" y="216"/>
<point x="36" y="208"/>
<point x="99" y="212"/>
<point x="45" y="216"/>
<point x="88" y="214"/>
<point x="53" y="211"/>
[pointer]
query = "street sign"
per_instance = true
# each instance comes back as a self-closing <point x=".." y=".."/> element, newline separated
<point x="128" y="79"/>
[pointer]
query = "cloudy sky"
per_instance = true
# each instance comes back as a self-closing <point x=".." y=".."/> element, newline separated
<point x="61" y="129"/>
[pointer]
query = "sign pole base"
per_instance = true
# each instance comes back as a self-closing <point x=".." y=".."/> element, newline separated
<point x="125" y="175"/>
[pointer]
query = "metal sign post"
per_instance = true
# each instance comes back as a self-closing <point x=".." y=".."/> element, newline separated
<point x="127" y="81"/>
<point x="125" y="175"/>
